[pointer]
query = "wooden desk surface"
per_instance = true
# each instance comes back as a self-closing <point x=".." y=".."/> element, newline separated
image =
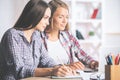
<point x="45" y="78"/>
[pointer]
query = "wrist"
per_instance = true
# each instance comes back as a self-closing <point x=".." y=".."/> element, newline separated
<point x="53" y="70"/>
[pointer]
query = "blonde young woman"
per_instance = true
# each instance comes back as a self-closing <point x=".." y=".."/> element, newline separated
<point x="22" y="53"/>
<point x="60" y="42"/>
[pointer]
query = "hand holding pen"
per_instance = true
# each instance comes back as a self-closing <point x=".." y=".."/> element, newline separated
<point x="77" y="66"/>
<point x="63" y="70"/>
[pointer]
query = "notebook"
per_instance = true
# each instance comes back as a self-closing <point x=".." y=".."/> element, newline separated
<point x="90" y="70"/>
<point x="68" y="77"/>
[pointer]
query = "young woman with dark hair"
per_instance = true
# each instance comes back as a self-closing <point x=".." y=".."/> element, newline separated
<point x="22" y="53"/>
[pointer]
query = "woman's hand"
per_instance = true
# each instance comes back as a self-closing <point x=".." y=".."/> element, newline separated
<point x="77" y="66"/>
<point x="94" y="64"/>
<point x="63" y="71"/>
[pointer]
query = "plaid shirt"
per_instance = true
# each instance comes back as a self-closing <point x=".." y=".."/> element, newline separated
<point x="72" y="47"/>
<point x="19" y="58"/>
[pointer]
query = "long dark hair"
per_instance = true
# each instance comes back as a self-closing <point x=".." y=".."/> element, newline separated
<point x="31" y="15"/>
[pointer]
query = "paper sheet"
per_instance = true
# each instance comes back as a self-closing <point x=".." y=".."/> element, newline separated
<point x="68" y="77"/>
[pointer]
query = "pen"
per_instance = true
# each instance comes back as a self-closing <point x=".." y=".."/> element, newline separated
<point x="110" y="59"/>
<point x="107" y="60"/>
<point x="113" y="59"/>
<point x="62" y="63"/>
<point x="117" y="59"/>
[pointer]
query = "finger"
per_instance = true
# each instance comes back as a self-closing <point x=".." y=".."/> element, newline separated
<point x="78" y="65"/>
<point x="74" y="72"/>
<point x="66" y="68"/>
<point x="61" y="72"/>
<point x="81" y="65"/>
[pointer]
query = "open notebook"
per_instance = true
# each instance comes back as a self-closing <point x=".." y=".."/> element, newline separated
<point x="76" y="76"/>
<point x="68" y="77"/>
<point x="90" y="70"/>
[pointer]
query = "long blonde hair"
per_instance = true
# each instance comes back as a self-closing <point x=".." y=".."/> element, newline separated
<point x="54" y="4"/>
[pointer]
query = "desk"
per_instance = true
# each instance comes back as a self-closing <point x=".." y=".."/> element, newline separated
<point x="45" y="78"/>
<point x="86" y="76"/>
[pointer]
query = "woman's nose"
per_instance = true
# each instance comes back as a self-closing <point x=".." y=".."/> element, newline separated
<point x="47" y="22"/>
<point x="65" y="20"/>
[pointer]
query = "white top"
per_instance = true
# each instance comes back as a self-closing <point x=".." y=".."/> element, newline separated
<point x="57" y="52"/>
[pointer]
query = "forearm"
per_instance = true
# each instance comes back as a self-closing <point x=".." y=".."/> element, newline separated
<point x="39" y="72"/>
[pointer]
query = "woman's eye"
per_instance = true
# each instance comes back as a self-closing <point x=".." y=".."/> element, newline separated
<point x="67" y="17"/>
<point x="60" y="16"/>
<point x="46" y="17"/>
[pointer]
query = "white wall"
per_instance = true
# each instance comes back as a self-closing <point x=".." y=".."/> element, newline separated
<point x="111" y="23"/>
<point x="6" y="15"/>
<point x="111" y="30"/>
<point x="9" y="13"/>
<point x="112" y="15"/>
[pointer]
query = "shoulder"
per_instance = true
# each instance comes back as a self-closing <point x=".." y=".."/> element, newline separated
<point x="65" y="35"/>
<point x="37" y="33"/>
<point x="37" y="37"/>
<point x="10" y="34"/>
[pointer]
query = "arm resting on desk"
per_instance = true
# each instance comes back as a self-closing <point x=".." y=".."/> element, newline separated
<point x="43" y="72"/>
<point x="55" y="71"/>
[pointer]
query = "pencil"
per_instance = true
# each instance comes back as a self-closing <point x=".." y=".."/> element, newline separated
<point x="113" y="59"/>
<point x="62" y="63"/>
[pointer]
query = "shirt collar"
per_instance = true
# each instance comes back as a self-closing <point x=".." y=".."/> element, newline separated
<point x="36" y="33"/>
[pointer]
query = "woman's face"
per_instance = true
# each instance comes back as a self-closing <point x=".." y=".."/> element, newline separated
<point x="44" y="21"/>
<point x="60" y="18"/>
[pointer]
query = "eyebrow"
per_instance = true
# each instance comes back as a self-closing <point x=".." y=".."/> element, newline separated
<point x="63" y="15"/>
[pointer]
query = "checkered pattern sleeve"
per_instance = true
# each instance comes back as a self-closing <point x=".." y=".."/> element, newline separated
<point x="13" y="62"/>
<point x="19" y="57"/>
<point x="86" y="59"/>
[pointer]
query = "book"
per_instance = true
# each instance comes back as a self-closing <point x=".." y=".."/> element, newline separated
<point x="79" y="35"/>
<point x="94" y="13"/>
